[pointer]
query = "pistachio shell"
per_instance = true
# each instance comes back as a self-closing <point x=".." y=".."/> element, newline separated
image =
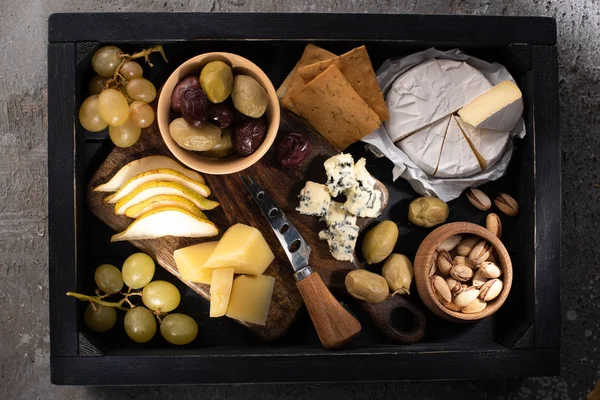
<point x="444" y="262"/>
<point x="462" y="260"/>
<point x="461" y="273"/>
<point x="480" y="252"/>
<point x="453" y="284"/>
<point x="450" y="243"/>
<point x="490" y="270"/>
<point x="479" y="279"/>
<point x="493" y="224"/>
<point x="451" y="306"/>
<point x="507" y="204"/>
<point x="474" y="307"/>
<point x="441" y="288"/>
<point x="491" y="289"/>
<point x="466" y="297"/>
<point x="466" y="245"/>
<point x="479" y="199"/>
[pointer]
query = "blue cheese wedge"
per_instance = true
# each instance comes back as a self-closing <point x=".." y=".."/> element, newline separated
<point x="363" y="203"/>
<point x="363" y="178"/>
<point x="314" y="199"/>
<point x="338" y="214"/>
<point x="340" y="173"/>
<point x="341" y="239"/>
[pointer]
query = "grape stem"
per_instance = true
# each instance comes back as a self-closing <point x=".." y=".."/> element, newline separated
<point x="126" y="57"/>
<point x="96" y="300"/>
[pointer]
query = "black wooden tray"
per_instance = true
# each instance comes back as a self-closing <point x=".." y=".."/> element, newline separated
<point x="522" y="339"/>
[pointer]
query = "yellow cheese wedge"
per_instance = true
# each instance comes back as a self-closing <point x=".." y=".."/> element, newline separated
<point x="243" y="248"/>
<point x="190" y="261"/>
<point x="251" y="298"/>
<point x="220" y="290"/>
<point x="499" y="108"/>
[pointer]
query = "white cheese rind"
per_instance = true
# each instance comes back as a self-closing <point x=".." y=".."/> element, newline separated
<point x="430" y="91"/>
<point x="340" y="173"/>
<point x="487" y="144"/>
<point x="457" y="159"/>
<point x="425" y="145"/>
<point x="314" y="199"/>
<point x="341" y="239"/>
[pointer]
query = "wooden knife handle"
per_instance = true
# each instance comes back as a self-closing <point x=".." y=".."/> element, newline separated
<point x="335" y="326"/>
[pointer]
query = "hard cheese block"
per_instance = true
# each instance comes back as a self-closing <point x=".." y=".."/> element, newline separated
<point x="457" y="159"/>
<point x="430" y="91"/>
<point x="499" y="109"/>
<point x="244" y="248"/>
<point x="190" y="262"/>
<point x="220" y="291"/>
<point x="487" y="144"/>
<point x="251" y="298"/>
<point x="425" y="145"/>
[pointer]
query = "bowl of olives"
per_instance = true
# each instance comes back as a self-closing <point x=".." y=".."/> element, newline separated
<point x="218" y="113"/>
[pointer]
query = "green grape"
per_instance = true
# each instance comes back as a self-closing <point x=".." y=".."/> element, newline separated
<point x="96" y="85"/>
<point x="131" y="70"/>
<point x="161" y="296"/>
<point x="105" y="61"/>
<point x="141" y="114"/>
<point x="108" y="278"/>
<point x="125" y="135"/>
<point x="178" y="329"/>
<point x="101" y="319"/>
<point x="141" y="89"/>
<point x="89" y="116"/>
<point x="113" y="107"/>
<point x="140" y="324"/>
<point x="138" y="270"/>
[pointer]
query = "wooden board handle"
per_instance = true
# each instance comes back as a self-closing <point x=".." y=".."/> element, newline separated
<point x="335" y="326"/>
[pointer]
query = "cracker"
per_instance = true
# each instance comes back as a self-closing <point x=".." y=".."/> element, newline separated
<point x="334" y="109"/>
<point x="358" y="70"/>
<point x="311" y="55"/>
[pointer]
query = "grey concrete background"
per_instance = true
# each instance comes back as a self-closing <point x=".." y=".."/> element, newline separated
<point x="24" y="343"/>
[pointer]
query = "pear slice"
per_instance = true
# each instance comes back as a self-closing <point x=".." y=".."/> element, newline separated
<point x="167" y="221"/>
<point x="163" y="200"/>
<point x="142" y="165"/>
<point x="155" y="188"/>
<point x="162" y="174"/>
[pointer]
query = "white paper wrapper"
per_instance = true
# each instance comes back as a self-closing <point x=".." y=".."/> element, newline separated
<point x="380" y="143"/>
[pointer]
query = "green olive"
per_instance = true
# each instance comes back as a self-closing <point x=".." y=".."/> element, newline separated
<point x="195" y="139"/>
<point x="379" y="242"/>
<point x="427" y="211"/>
<point x="216" y="79"/>
<point x="223" y="148"/>
<point x="249" y="97"/>
<point x="367" y="286"/>
<point x="398" y="272"/>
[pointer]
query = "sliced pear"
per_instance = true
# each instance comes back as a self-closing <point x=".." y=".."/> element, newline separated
<point x="167" y="221"/>
<point x="162" y="174"/>
<point x="142" y="165"/>
<point x="155" y="188"/>
<point x="163" y="200"/>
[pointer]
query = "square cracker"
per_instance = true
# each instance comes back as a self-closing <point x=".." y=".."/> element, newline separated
<point x="294" y="81"/>
<point x="358" y="70"/>
<point x="334" y="109"/>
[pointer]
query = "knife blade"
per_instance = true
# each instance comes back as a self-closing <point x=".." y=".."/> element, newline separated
<point x="334" y="325"/>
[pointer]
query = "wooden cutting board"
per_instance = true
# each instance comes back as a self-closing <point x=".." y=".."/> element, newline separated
<point x="237" y="206"/>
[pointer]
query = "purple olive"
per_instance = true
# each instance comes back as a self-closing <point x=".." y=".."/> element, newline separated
<point x="248" y="135"/>
<point x="194" y="104"/>
<point x="293" y="149"/>
<point x="191" y="82"/>
<point x="220" y="114"/>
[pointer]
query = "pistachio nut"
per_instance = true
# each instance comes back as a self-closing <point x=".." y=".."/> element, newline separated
<point x="478" y="279"/>
<point x="441" y="288"/>
<point x="432" y="268"/>
<point x="507" y="204"/>
<point x="466" y="297"/>
<point x="451" y="306"/>
<point x="444" y="262"/>
<point x="493" y="224"/>
<point x="462" y="260"/>
<point x="466" y="245"/>
<point x="453" y="284"/>
<point x="491" y="289"/>
<point x="398" y="272"/>
<point x="480" y="252"/>
<point x="474" y="307"/>
<point x="490" y="270"/>
<point x="479" y="199"/>
<point x="492" y="258"/>
<point x="367" y="286"/>
<point x="461" y="273"/>
<point x="461" y="289"/>
<point x="450" y="243"/>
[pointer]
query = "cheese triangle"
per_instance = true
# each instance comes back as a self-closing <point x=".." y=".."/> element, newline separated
<point x="487" y="144"/>
<point x="457" y="159"/>
<point x="425" y="145"/>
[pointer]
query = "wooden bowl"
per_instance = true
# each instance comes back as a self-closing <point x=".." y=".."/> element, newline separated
<point x="194" y="159"/>
<point x="425" y="256"/>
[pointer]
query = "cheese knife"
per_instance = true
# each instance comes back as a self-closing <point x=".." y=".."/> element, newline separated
<point x="334" y="325"/>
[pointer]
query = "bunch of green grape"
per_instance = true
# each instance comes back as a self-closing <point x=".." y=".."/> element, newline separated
<point x="119" y="96"/>
<point x="158" y="297"/>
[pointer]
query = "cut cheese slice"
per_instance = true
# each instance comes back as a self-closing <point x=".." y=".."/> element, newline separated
<point x="500" y="108"/>
<point x="487" y="144"/>
<point x="190" y="262"/>
<point x="250" y="298"/>
<point x="430" y="91"/>
<point x="457" y="159"/>
<point x="425" y="145"/>
<point x="220" y="291"/>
